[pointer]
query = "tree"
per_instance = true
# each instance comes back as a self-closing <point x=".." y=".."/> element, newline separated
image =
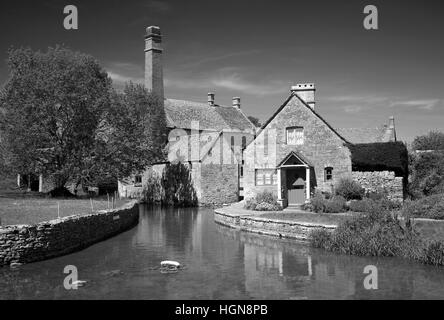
<point x="61" y="118"/>
<point x="255" y="121"/>
<point x="136" y="131"/>
<point x="434" y="140"/>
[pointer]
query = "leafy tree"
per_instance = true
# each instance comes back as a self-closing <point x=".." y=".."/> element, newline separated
<point x="136" y="131"/>
<point x="434" y="140"/>
<point x="255" y="121"/>
<point x="61" y="118"/>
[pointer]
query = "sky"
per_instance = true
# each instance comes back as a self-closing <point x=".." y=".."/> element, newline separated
<point x="258" y="49"/>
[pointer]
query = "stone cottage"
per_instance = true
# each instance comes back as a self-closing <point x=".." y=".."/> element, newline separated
<point x="297" y="151"/>
<point x="207" y="137"/>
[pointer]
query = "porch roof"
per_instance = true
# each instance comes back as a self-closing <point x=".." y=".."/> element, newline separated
<point x="300" y="161"/>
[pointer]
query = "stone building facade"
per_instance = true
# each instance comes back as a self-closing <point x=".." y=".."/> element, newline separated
<point x="298" y="152"/>
<point x="207" y="137"/>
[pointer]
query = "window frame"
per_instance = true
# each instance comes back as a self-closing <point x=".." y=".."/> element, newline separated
<point x="262" y="173"/>
<point x="327" y="175"/>
<point x="287" y="129"/>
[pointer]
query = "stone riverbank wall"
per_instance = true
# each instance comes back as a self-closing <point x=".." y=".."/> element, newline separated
<point x="272" y="227"/>
<point x="24" y="243"/>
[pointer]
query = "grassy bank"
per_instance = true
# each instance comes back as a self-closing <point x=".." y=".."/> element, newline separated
<point x="380" y="233"/>
<point x="33" y="209"/>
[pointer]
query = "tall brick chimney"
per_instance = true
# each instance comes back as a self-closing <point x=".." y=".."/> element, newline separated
<point x="306" y="91"/>
<point x="153" y="61"/>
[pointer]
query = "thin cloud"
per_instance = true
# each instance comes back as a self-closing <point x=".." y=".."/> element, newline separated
<point x="427" y="104"/>
<point x="229" y="81"/>
<point x="353" y="108"/>
<point x="124" y="72"/>
<point x="219" y="58"/>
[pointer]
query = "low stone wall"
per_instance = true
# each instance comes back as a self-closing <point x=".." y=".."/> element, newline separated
<point x="24" y="244"/>
<point x="376" y="180"/>
<point x="273" y="227"/>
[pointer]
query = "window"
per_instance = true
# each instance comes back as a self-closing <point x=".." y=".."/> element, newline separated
<point x="295" y="136"/>
<point x="244" y="142"/>
<point x="265" y="143"/>
<point x="328" y="174"/>
<point x="210" y="152"/>
<point x="138" y="180"/>
<point x="232" y="143"/>
<point x="266" y="177"/>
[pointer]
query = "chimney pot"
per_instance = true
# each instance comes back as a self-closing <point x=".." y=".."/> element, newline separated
<point x="211" y="99"/>
<point x="305" y="91"/>
<point x="237" y="102"/>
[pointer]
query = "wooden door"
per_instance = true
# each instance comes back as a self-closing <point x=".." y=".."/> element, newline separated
<point x="296" y="186"/>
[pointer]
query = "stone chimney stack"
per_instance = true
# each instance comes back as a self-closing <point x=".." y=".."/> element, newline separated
<point x="237" y="102"/>
<point x="306" y="91"/>
<point x="391" y="130"/>
<point x="211" y="99"/>
<point x="153" y="61"/>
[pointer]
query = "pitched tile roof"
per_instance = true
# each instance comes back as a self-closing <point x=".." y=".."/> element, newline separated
<point x="367" y="135"/>
<point x="181" y="113"/>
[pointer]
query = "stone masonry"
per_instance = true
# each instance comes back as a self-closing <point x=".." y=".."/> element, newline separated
<point x="381" y="180"/>
<point x="25" y="243"/>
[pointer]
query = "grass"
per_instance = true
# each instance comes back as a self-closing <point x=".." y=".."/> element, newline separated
<point x="34" y="210"/>
<point x="308" y="217"/>
<point x="19" y="207"/>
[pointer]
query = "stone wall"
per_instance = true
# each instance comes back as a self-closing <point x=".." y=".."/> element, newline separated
<point x="377" y="180"/>
<point x="219" y="184"/>
<point x="272" y="227"/>
<point x="24" y="244"/>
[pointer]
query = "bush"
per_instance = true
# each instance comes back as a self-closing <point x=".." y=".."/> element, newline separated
<point x="378" y="233"/>
<point x="264" y="201"/>
<point x="433" y="253"/>
<point x="335" y="205"/>
<point x="374" y="234"/>
<point x="427" y="176"/>
<point x="431" y="207"/>
<point x="367" y="205"/>
<point x="319" y="204"/>
<point x="349" y="189"/>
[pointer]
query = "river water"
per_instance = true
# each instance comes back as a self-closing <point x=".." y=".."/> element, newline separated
<point x="219" y="263"/>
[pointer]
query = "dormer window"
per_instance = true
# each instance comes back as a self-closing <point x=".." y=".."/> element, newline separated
<point x="295" y="136"/>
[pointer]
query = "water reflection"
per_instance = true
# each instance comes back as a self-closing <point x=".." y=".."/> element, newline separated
<point x="220" y="263"/>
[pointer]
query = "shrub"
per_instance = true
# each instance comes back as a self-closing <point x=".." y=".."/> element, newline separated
<point x="378" y="233"/>
<point x="367" y="205"/>
<point x="349" y="189"/>
<point x="433" y="253"/>
<point x="335" y="205"/>
<point x="374" y="234"/>
<point x="427" y="174"/>
<point x="264" y="201"/>
<point x="319" y="204"/>
<point x="431" y="207"/>
<point x="364" y="205"/>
